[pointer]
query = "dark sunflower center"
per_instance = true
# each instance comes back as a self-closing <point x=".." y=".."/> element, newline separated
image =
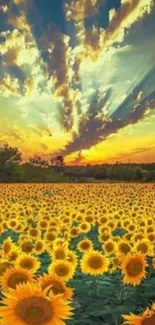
<point x="109" y="247"/>
<point x="16" y="279"/>
<point x="55" y="286"/>
<point x="61" y="270"/>
<point x="142" y="248"/>
<point x="7" y="248"/>
<point x="27" y="247"/>
<point x="4" y="266"/>
<point x="95" y="262"/>
<point x="13" y="224"/>
<point x="50" y="237"/>
<point x="74" y="232"/>
<point x="39" y="246"/>
<point x="35" y="310"/>
<point x="149" y="320"/>
<point x="60" y="254"/>
<point x="134" y="268"/>
<point x="27" y="264"/>
<point x="124" y="248"/>
<point x="33" y="232"/>
<point x="85" y="245"/>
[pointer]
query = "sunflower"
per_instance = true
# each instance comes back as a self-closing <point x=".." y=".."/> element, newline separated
<point x="104" y="237"/>
<point x="39" y="247"/>
<point x="55" y="284"/>
<point x="128" y="236"/>
<point x="72" y="258"/>
<point x="85" y="245"/>
<point x="103" y="220"/>
<point x="12" y="223"/>
<point x="34" y="233"/>
<point x="50" y="237"/>
<point x="27" y="246"/>
<point x="94" y="263"/>
<point x="150" y="229"/>
<point x="109" y="246"/>
<point x="28" y="305"/>
<point x="89" y="219"/>
<point x="60" y="242"/>
<point x="111" y="267"/>
<point x="151" y="237"/>
<point x="7" y="245"/>
<point x="85" y="227"/>
<point x="59" y="253"/>
<point x="147" y="318"/>
<point x="138" y="236"/>
<point x="14" y="276"/>
<point x="42" y="224"/>
<point x="20" y="228"/>
<point x="13" y="255"/>
<point x="63" y="269"/>
<point x="123" y="247"/>
<point x="103" y="229"/>
<point x="143" y="246"/>
<point x="4" y="265"/>
<point x="28" y="262"/>
<point x="1" y="230"/>
<point x="74" y="232"/>
<point x="133" y="268"/>
<point x="150" y="221"/>
<point x="79" y="218"/>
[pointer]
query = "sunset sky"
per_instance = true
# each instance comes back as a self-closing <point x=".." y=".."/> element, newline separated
<point x="77" y="77"/>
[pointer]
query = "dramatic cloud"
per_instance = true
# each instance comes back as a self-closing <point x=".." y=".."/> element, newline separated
<point x="94" y="127"/>
<point x="92" y="41"/>
<point x="57" y="46"/>
<point x="9" y="86"/>
<point x="20" y="23"/>
<point x="78" y="80"/>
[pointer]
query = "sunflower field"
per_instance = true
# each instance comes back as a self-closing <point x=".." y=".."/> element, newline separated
<point x="77" y="254"/>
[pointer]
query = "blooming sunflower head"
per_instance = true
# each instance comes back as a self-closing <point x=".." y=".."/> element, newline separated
<point x="72" y="258"/>
<point x="144" y="246"/>
<point x="34" y="233"/>
<point x="4" y="265"/>
<point x="109" y="246"/>
<point x="85" y="245"/>
<point x="63" y="269"/>
<point x="27" y="246"/>
<point x="39" y="246"/>
<point x="28" y="262"/>
<point x="123" y="247"/>
<point x="59" y="253"/>
<point x="14" y="276"/>
<point x="147" y="318"/>
<point x="7" y="246"/>
<point x="133" y="268"/>
<point x="55" y="284"/>
<point x="28" y="305"/>
<point x="94" y="263"/>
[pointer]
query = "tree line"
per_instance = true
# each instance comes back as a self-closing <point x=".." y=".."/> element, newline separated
<point x="39" y="170"/>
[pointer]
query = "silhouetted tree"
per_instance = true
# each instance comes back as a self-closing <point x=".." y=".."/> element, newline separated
<point x="57" y="161"/>
<point x="10" y="158"/>
<point x="38" y="161"/>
